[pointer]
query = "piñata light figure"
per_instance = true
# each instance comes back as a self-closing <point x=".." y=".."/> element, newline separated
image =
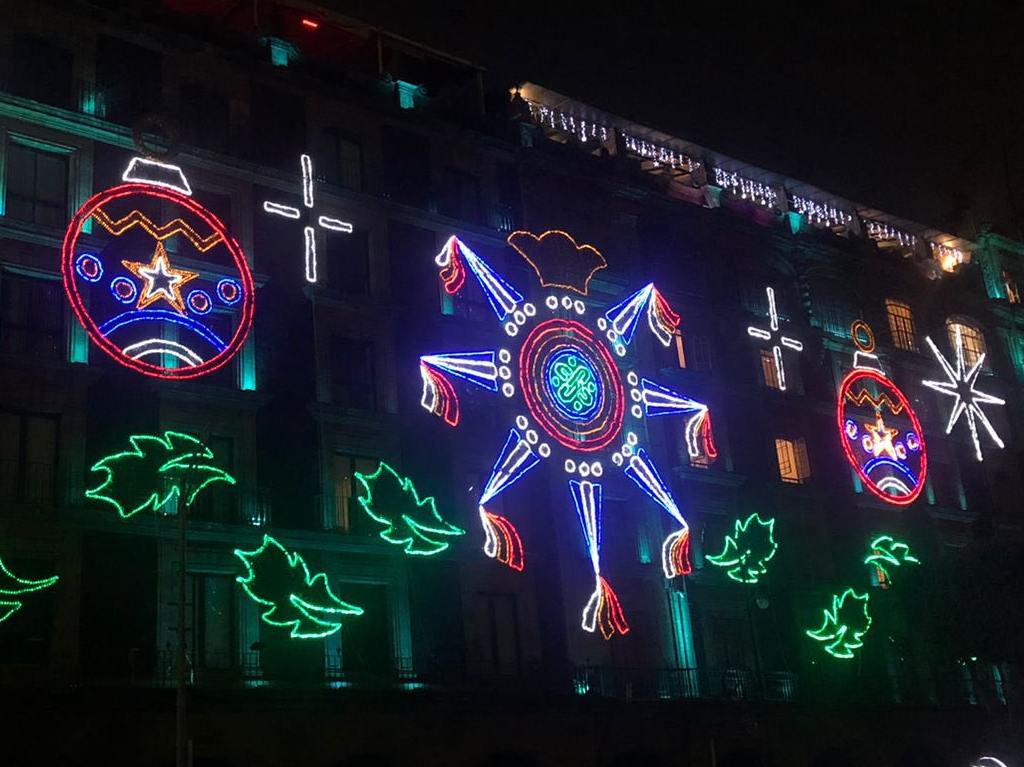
<point x="577" y="401"/>
<point x="158" y="284"/>
<point x="879" y="430"/>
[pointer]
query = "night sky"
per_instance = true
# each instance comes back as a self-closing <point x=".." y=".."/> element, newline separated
<point x="913" y="110"/>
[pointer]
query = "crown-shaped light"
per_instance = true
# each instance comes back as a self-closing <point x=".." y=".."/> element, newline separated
<point x="558" y="260"/>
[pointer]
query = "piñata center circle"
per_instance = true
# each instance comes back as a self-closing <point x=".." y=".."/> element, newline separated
<point x="571" y="385"/>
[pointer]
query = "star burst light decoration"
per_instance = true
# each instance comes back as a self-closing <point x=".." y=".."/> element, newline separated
<point x="578" y="402"/>
<point x="961" y="385"/>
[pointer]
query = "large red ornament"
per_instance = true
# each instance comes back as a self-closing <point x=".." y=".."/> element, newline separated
<point x="169" y="293"/>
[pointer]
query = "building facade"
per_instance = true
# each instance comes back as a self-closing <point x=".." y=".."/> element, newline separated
<point x="385" y="149"/>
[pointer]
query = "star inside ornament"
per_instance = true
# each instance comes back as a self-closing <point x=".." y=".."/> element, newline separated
<point x="961" y="385"/>
<point x="881" y="437"/>
<point x="162" y="281"/>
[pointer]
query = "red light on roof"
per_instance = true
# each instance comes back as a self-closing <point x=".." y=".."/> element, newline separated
<point x="311" y="23"/>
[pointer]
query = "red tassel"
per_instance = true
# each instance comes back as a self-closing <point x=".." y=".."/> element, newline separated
<point x="509" y="546"/>
<point x="610" y="617"/>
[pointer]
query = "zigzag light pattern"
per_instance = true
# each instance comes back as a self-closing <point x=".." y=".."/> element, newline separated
<point x="158" y="232"/>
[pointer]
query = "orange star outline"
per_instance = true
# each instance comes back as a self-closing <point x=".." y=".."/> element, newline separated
<point x="881" y="437"/>
<point x="160" y="265"/>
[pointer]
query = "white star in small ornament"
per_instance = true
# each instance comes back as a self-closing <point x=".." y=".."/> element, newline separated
<point x="961" y="385"/>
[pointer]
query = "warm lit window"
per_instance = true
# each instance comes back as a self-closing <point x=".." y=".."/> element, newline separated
<point x="346" y="488"/>
<point x="1012" y="291"/>
<point x="769" y="370"/>
<point x="793" y="464"/>
<point x="680" y="350"/>
<point x="901" y="325"/>
<point x="971" y="336"/>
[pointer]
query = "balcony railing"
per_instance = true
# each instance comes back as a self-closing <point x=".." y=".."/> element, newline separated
<point x="245" y="671"/>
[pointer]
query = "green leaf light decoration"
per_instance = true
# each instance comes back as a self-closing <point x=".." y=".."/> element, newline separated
<point x="845" y="624"/>
<point x="155" y="470"/>
<point x="280" y="580"/>
<point x="748" y="550"/>
<point x="887" y="553"/>
<point x="13" y="586"/>
<point x="408" y="521"/>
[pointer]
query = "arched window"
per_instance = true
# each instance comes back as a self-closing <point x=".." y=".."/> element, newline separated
<point x="901" y="325"/>
<point x="972" y="337"/>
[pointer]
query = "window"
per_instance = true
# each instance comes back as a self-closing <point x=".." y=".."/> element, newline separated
<point x="278" y="127"/>
<point x="901" y="325"/>
<point x="341" y="159"/>
<point x="346" y="490"/>
<point x="204" y="116"/>
<point x="40" y="71"/>
<point x="31" y="317"/>
<point x="972" y="337"/>
<point x="406" y="171"/>
<point x="769" y="370"/>
<point x="353" y="384"/>
<point x="348" y="262"/>
<point x="700" y="353"/>
<point x="28" y="456"/>
<point x="129" y="79"/>
<point x="500" y="651"/>
<point x="213" y="620"/>
<point x="793" y="464"/>
<point x="1012" y="290"/>
<point x="37" y="185"/>
<point x="460" y="196"/>
<point x="219" y="501"/>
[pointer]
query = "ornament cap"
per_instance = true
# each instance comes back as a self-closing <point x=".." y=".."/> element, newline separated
<point x="145" y="171"/>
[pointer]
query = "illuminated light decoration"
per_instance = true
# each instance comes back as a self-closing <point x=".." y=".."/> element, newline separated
<point x="12" y="586"/>
<point x="968" y="400"/>
<point x="746" y="188"/>
<point x="602" y="610"/>
<point x="159" y="233"/>
<point x="887" y="235"/>
<point x="123" y="290"/>
<point x="658" y="401"/>
<point x="89" y="267"/>
<point x="570" y="400"/>
<point x="160" y="346"/>
<point x="455" y="257"/>
<point x="558" y="260"/>
<point x="155" y="470"/>
<point x="201" y="237"/>
<point x="864" y="339"/>
<point x="199" y="302"/>
<point x="821" y="214"/>
<point x="989" y="761"/>
<point x="580" y="127"/>
<point x="502" y="541"/>
<point x="871" y="414"/>
<point x="228" y="291"/>
<point x="624" y="317"/>
<point x="949" y="258"/>
<point x="311" y="23"/>
<point x="659" y="155"/>
<point x="770" y="335"/>
<point x="409" y="521"/>
<point x="748" y="550"/>
<point x="160" y="280"/>
<point x="844" y="624"/>
<point x="308" y="231"/>
<point x="675" y="550"/>
<point x="296" y="599"/>
<point x="143" y="170"/>
<point x="887" y="553"/>
<point x="134" y="316"/>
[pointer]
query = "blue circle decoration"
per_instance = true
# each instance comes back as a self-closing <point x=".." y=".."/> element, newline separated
<point x="89" y="267"/>
<point x="123" y="290"/>
<point x="199" y="301"/>
<point x="573" y="384"/>
<point x="229" y="291"/>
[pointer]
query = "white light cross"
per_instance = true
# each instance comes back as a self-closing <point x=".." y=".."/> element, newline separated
<point x="308" y="232"/>
<point x="769" y="335"/>
<point x="961" y="385"/>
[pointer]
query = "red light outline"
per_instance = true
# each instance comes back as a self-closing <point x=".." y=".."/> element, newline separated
<point x="854" y="462"/>
<point x="74" y="297"/>
<point x="311" y="23"/>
